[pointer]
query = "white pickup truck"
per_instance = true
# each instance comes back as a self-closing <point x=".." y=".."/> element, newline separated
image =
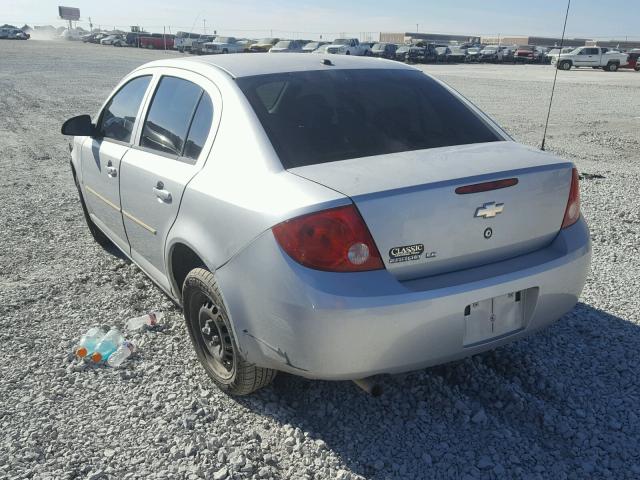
<point x="595" y="57"/>
<point x="348" y="46"/>
<point x="222" y="45"/>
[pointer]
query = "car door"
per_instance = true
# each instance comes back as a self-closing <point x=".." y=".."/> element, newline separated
<point x="594" y="55"/>
<point x="101" y="156"/>
<point x="173" y="142"/>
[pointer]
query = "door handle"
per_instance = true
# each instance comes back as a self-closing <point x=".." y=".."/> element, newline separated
<point x="112" y="171"/>
<point x="161" y="193"/>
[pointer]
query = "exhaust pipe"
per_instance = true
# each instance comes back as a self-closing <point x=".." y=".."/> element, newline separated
<point x="370" y="386"/>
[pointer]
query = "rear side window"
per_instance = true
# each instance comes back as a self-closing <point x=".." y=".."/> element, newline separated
<point x="200" y="127"/>
<point x="119" y="114"/>
<point x="324" y="116"/>
<point x="172" y="108"/>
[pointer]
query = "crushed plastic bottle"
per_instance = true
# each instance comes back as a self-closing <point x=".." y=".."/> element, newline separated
<point x="150" y="320"/>
<point x="124" y="351"/>
<point x="88" y="342"/>
<point x="109" y="344"/>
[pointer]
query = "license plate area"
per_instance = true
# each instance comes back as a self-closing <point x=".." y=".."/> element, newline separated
<point x="496" y="317"/>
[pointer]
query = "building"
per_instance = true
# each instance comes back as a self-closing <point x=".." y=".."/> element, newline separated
<point x="532" y="40"/>
<point x="407" y="37"/>
<point x="618" y="44"/>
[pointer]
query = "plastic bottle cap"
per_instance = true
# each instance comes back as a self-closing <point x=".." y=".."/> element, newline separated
<point x="96" y="357"/>
<point x="81" y="352"/>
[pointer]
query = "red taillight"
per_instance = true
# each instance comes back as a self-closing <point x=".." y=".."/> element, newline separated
<point x="572" y="213"/>
<point x="335" y="240"/>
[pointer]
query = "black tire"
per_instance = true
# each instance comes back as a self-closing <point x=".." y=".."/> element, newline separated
<point x="225" y="51"/>
<point x="637" y="68"/>
<point x="613" y="67"/>
<point x="213" y="340"/>
<point x="97" y="234"/>
<point x="565" y="65"/>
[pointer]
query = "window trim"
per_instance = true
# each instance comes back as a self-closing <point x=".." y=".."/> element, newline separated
<point x="208" y="84"/>
<point x="158" y="83"/>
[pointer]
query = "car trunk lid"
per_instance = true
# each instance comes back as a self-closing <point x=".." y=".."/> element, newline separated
<point x="423" y="227"/>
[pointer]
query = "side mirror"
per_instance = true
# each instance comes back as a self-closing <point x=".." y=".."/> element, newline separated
<point x="79" y="126"/>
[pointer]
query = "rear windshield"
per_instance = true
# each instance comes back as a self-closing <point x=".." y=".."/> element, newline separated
<point x="323" y="116"/>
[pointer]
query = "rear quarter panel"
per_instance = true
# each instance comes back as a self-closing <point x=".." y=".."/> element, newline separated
<point x="242" y="190"/>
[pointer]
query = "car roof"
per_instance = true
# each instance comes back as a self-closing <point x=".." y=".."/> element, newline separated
<point x="248" y="64"/>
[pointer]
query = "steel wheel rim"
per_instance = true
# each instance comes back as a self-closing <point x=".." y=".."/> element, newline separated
<point x="215" y="339"/>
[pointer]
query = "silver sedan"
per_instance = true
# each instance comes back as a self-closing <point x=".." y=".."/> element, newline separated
<point x="334" y="218"/>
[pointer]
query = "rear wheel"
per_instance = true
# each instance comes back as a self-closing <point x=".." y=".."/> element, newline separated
<point x="566" y="65"/>
<point x="613" y="67"/>
<point x="213" y="340"/>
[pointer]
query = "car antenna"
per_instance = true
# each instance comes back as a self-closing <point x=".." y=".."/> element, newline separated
<point x="553" y="88"/>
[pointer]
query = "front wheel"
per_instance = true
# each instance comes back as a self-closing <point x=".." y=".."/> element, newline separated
<point x="213" y="340"/>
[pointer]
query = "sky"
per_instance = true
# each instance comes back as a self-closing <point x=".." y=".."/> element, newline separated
<point x="308" y="19"/>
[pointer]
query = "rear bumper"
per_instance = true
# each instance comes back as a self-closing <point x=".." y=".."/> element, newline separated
<point x="346" y="326"/>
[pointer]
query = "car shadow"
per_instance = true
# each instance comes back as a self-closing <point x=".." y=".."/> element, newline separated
<point x="560" y="402"/>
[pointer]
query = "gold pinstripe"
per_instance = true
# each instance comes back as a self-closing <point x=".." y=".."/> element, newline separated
<point x="124" y="212"/>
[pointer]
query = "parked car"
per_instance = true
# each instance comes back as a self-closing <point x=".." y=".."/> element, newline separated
<point x="456" y="54"/>
<point x="120" y="42"/>
<point x="222" y="45"/>
<point x="348" y="46"/>
<point x="197" y="44"/>
<point x="554" y="52"/>
<point x="246" y="44"/>
<point x="632" y="60"/>
<point x="595" y="57"/>
<point x="13" y="34"/>
<point x="184" y="41"/>
<point x="312" y="46"/>
<point x="372" y="231"/>
<point x="322" y="49"/>
<point x="422" y="53"/>
<point x="88" y="37"/>
<point x="384" y="50"/>
<point x="287" y="46"/>
<point x="402" y="53"/>
<point x="109" y="39"/>
<point x="496" y="54"/>
<point x="157" y="41"/>
<point x="529" y="54"/>
<point x="473" y="54"/>
<point x="263" y="45"/>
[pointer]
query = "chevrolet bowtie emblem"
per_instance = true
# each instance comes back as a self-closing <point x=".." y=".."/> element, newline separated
<point x="489" y="210"/>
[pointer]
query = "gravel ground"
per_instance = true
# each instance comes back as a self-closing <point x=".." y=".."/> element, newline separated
<point x="561" y="404"/>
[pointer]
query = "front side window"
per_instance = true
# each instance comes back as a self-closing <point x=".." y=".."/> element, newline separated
<point x="172" y="108"/>
<point x="323" y="116"/>
<point x="119" y="115"/>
